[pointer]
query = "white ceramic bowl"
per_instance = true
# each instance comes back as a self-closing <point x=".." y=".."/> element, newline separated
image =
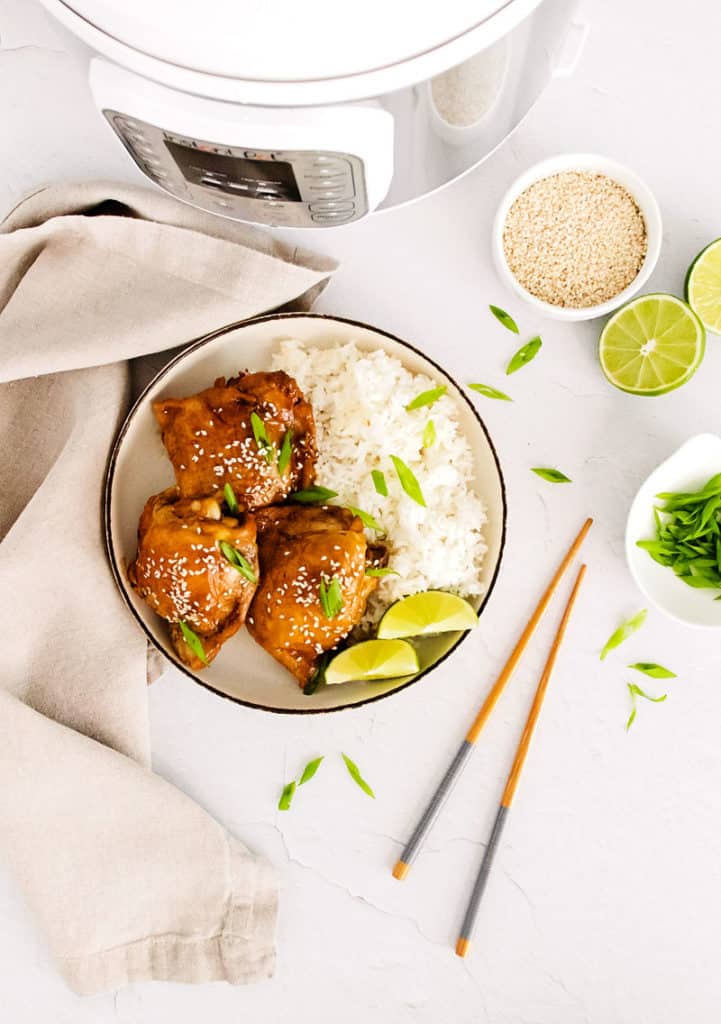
<point x="600" y="165"/>
<point x="687" y="469"/>
<point x="139" y="467"/>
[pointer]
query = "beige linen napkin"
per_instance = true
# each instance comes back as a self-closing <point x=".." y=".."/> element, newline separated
<point x="128" y="878"/>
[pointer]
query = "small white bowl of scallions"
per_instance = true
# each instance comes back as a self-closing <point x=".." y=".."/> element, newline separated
<point x="673" y="534"/>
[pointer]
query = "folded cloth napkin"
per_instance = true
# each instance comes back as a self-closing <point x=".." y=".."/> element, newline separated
<point x="128" y="878"/>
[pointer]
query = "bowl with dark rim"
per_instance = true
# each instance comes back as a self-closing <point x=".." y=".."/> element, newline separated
<point x="243" y="671"/>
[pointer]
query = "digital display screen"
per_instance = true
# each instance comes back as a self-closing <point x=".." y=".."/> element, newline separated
<point x="237" y="176"/>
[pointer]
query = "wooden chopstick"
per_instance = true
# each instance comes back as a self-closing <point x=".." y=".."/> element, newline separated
<point x="436" y="802"/>
<point x="464" y="941"/>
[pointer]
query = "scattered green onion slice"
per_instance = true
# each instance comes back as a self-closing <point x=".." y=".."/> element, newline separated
<point x="354" y="772"/>
<point x="193" y="641"/>
<point x="504" y="318"/>
<point x="313" y="495"/>
<point x="408" y="481"/>
<point x="554" y="476"/>
<point x="286" y="797"/>
<point x="429" y="434"/>
<point x="238" y="561"/>
<point x="379" y="482"/>
<point x="230" y="499"/>
<point x="524" y="355"/>
<point x="372" y="571"/>
<point x="426" y="398"/>
<point x="624" y="631"/>
<point x="650" y="668"/>
<point x="366" y="518"/>
<point x="636" y="691"/>
<point x="286" y="450"/>
<point x="489" y="392"/>
<point x="309" y="771"/>
<point x="331" y="596"/>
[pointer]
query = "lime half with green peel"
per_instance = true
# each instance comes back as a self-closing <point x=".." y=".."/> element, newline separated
<point x="431" y="611"/>
<point x="652" y="345"/>
<point x="703" y="286"/>
<point x="372" y="659"/>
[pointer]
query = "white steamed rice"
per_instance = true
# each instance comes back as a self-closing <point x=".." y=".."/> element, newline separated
<point x="359" y="401"/>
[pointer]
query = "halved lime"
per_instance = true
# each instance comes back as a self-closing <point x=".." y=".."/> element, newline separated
<point x="703" y="286"/>
<point x="431" y="611"/>
<point x="372" y="659"/>
<point x="653" y="344"/>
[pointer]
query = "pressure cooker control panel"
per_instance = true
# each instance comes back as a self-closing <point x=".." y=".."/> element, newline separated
<point x="289" y="188"/>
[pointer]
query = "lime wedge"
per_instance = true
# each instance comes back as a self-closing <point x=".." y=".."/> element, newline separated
<point x="653" y="344"/>
<point x="431" y="611"/>
<point x="372" y="659"/>
<point x="703" y="286"/>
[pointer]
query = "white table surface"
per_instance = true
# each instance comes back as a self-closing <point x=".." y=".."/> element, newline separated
<point x="605" y="903"/>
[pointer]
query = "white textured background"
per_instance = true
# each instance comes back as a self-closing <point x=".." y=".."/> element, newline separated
<point x="605" y="904"/>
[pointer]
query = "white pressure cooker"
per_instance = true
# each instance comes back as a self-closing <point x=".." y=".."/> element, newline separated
<point x="315" y="114"/>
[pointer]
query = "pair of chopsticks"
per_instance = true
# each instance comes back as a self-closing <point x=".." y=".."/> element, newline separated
<point x="446" y="784"/>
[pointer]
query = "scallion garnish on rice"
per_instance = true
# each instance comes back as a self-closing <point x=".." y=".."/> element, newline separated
<point x="408" y="480"/>
<point x="379" y="482"/>
<point x="426" y="398"/>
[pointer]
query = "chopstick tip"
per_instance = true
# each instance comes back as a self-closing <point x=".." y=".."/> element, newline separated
<point x="400" y="870"/>
<point x="462" y="947"/>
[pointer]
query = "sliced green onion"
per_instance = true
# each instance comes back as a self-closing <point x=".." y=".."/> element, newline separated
<point x="354" y="772"/>
<point x="429" y="434"/>
<point x="260" y="434"/>
<point x="379" y="482"/>
<point x="286" y="450"/>
<point x="313" y="495"/>
<point x="408" y="481"/>
<point x="489" y="392"/>
<point x="238" y="561"/>
<point x="650" y="668"/>
<point x="504" y="318"/>
<point x="426" y="398"/>
<point x="554" y="476"/>
<point x="230" y="499"/>
<point x="309" y="771"/>
<point x="366" y="518"/>
<point x="331" y="597"/>
<point x="624" y="631"/>
<point x="524" y="355"/>
<point x="193" y="641"/>
<point x="286" y="797"/>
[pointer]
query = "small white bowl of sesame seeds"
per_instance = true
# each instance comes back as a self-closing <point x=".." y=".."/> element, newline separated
<point x="577" y="235"/>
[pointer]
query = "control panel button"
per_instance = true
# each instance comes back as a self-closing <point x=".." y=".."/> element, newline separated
<point x="331" y="218"/>
<point x="330" y="163"/>
<point x="332" y="192"/>
<point x="332" y="206"/>
<point x="327" y="174"/>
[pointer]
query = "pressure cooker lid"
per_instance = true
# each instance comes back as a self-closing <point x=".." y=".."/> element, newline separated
<point x="283" y="40"/>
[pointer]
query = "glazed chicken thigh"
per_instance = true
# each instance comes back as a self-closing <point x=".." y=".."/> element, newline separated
<point x="234" y="433"/>
<point x="313" y="587"/>
<point x="195" y="566"/>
